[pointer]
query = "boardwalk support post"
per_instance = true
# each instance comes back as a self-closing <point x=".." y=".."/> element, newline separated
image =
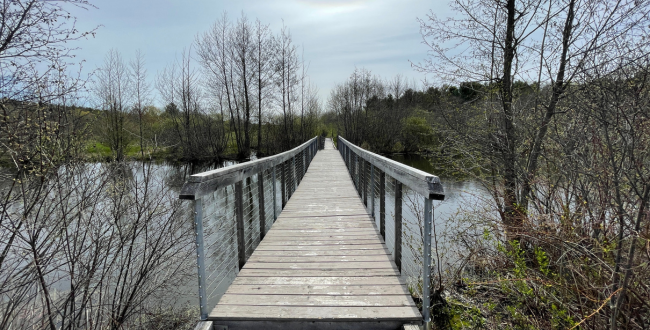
<point x="426" y="269"/>
<point x="398" y="225"/>
<point x="200" y="257"/>
<point x="372" y="191"/>
<point x="283" y="183"/>
<point x="239" y="210"/>
<point x="261" y="205"/>
<point x="382" y="205"/>
<point x="275" y="197"/>
<point x="294" y="174"/>
<point x="364" y="182"/>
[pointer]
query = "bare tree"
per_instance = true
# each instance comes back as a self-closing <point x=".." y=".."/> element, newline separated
<point x="114" y="92"/>
<point x="141" y="93"/>
<point x="286" y="68"/>
<point x="506" y="42"/>
<point x="263" y="72"/>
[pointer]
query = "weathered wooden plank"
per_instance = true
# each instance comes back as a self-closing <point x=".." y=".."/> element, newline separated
<point x="309" y="300"/>
<point x="316" y="313"/>
<point x="322" y="237"/>
<point x="360" y="266"/>
<point x="316" y="253"/>
<point x="319" y="247"/>
<point x="320" y="259"/>
<point x="289" y="231"/>
<point x="298" y="324"/>
<point x="327" y="290"/>
<point x="322" y="280"/>
<point x="317" y="272"/>
<point x="320" y="242"/>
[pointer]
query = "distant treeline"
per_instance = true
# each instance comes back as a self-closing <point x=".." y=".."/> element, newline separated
<point x="238" y="87"/>
<point x="394" y="115"/>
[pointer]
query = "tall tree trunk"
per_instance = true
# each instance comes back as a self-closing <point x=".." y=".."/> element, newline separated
<point x="511" y="214"/>
<point x="558" y="89"/>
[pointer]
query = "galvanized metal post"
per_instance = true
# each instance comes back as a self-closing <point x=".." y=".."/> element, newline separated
<point x="426" y="270"/>
<point x="262" y="206"/>
<point x="239" y="211"/>
<point x="364" y="186"/>
<point x="283" y="183"/>
<point x="200" y="258"/>
<point x="354" y="171"/>
<point x="294" y="172"/>
<point x="398" y="225"/>
<point x="275" y="198"/>
<point x="359" y="172"/>
<point x="372" y="191"/>
<point x="382" y="205"/>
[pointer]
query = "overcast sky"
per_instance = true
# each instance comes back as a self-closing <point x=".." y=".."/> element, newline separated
<point x="336" y="35"/>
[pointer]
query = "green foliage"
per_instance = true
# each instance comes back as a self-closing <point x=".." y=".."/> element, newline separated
<point x="98" y="151"/>
<point x="397" y="147"/>
<point x="417" y="133"/>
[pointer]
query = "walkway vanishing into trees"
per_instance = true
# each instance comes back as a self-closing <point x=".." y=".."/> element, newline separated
<point x="324" y="263"/>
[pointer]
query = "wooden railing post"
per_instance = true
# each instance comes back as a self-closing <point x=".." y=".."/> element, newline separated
<point x="200" y="257"/>
<point x="262" y="210"/>
<point x="382" y="205"/>
<point x="398" y="225"/>
<point x="239" y="211"/>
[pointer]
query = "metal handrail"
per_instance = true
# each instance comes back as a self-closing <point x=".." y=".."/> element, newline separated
<point x="419" y="181"/>
<point x="208" y="182"/>
<point x="422" y="182"/>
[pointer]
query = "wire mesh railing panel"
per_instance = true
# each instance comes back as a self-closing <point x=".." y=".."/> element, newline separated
<point x="376" y="187"/>
<point x="389" y="214"/>
<point x="356" y="173"/>
<point x="278" y="189"/>
<point x="412" y="236"/>
<point x="300" y="167"/>
<point x="220" y="239"/>
<point x="251" y="215"/>
<point x="267" y="178"/>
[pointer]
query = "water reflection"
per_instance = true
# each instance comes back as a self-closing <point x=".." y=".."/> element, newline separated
<point x="461" y="195"/>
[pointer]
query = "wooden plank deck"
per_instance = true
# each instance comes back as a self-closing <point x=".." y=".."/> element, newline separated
<point x="323" y="264"/>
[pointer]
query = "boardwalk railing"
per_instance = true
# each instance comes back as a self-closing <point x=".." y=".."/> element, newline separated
<point x="374" y="177"/>
<point x="234" y="207"/>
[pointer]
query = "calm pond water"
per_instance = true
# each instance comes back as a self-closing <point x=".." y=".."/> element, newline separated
<point x="458" y="195"/>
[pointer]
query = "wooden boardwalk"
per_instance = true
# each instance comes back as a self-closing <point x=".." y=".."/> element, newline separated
<point x="323" y="264"/>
